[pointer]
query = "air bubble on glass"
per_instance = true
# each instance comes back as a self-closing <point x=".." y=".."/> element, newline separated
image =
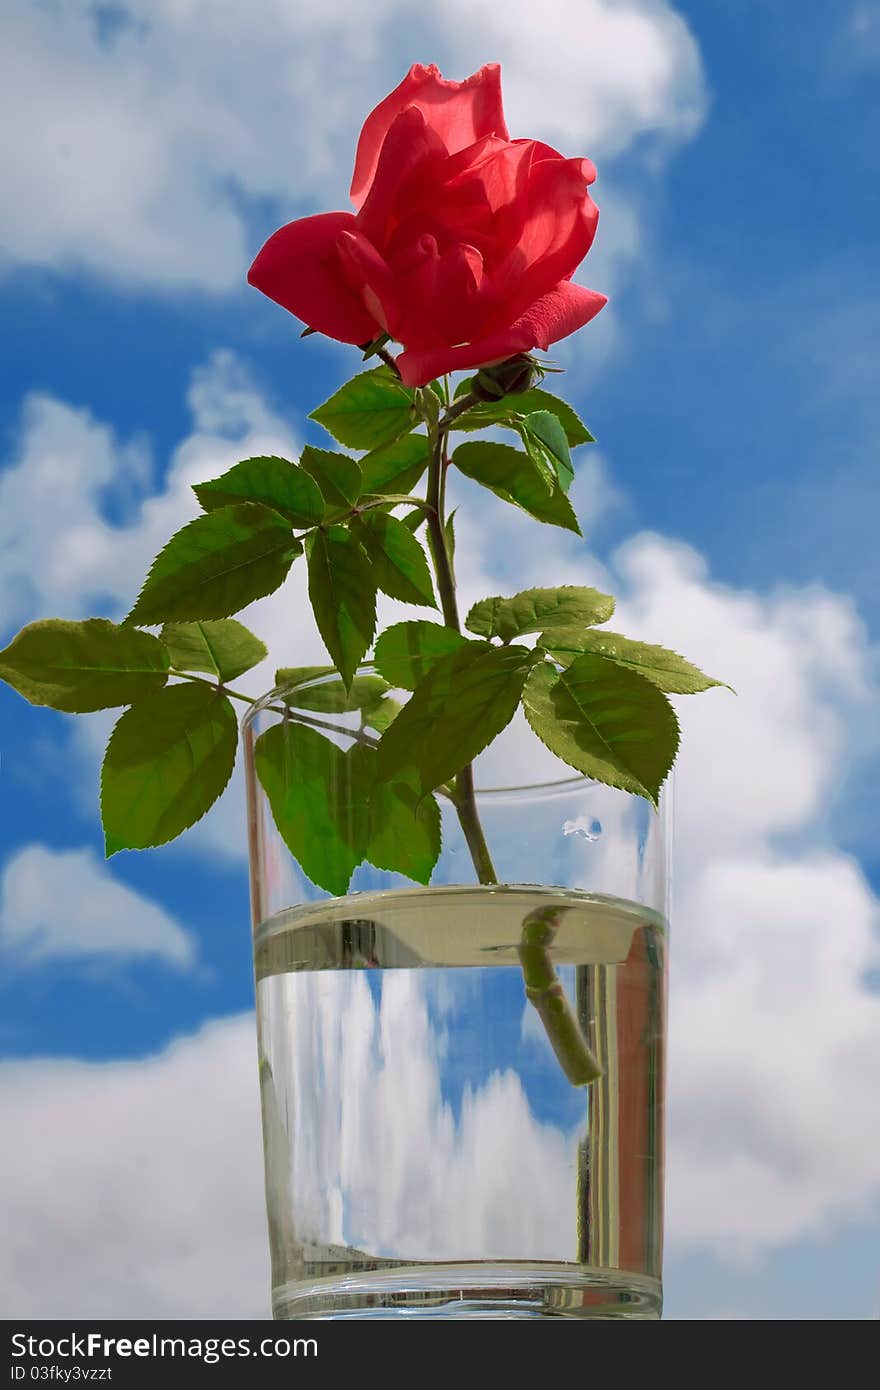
<point x="585" y="827"/>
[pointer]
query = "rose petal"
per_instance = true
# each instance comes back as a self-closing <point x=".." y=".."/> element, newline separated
<point x="368" y="274"/>
<point x="561" y="312"/>
<point x="474" y="200"/>
<point x="411" y="152"/>
<point x="557" y="227"/>
<point x="554" y="316"/>
<point x="301" y="269"/>
<point x="435" y="300"/>
<point x="459" y="112"/>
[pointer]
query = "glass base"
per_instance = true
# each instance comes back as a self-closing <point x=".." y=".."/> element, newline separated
<point x="481" y="1289"/>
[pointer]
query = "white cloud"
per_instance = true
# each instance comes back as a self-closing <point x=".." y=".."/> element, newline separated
<point x="589" y="70"/>
<point x="59" y="555"/>
<point x="775" y="1111"/>
<point x="135" y="140"/>
<point x="769" y="759"/>
<point x="65" y="904"/>
<point x="136" y="1187"/>
<point x="774" y="1107"/>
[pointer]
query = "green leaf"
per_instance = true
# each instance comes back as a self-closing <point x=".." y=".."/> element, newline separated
<point x="224" y="648"/>
<point x="515" y="477"/>
<point x="400" y="568"/>
<point x="343" y="595"/>
<point x="510" y="408"/>
<point x="449" y="533"/>
<point x="83" y="666"/>
<point x="271" y="481"/>
<point x="396" y="467"/>
<point x="663" y="668"/>
<point x="543" y="435"/>
<point x="609" y="723"/>
<point x="379" y="716"/>
<point x="406" y="652"/>
<point x="539" y="610"/>
<point x="320" y="800"/>
<point x="331" y="696"/>
<point x="415" y="520"/>
<point x="428" y="404"/>
<point x="298" y="675"/>
<point x="168" y="760"/>
<point x="376" y="345"/>
<point x="544" y="465"/>
<point x="372" y="409"/>
<point x="337" y="476"/>
<point x="404" y="828"/>
<point x="216" y="565"/>
<point x="459" y="707"/>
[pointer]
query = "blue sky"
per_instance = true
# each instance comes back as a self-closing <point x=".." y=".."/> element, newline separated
<point x="732" y="502"/>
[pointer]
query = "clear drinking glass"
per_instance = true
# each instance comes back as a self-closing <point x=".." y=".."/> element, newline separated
<point x="425" y="1153"/>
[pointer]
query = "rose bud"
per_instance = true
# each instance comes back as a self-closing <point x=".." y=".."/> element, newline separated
<point x="508" y="378"/>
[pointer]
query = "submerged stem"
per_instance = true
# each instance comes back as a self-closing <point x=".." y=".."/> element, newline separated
<point x="544" y="991"/>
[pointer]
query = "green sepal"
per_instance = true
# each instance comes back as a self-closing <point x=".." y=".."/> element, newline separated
<point x="375" y="346"/>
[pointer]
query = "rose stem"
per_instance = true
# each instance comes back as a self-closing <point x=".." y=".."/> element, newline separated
<point x="543" y="987"/>
<point x="544" y="990"/>
<point x="465" y="800"/>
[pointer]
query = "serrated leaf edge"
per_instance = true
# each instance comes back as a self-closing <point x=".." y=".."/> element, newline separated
<point x="137" y="849"/>
<point x="609" y="781"/>
<point x="132" y="620"/>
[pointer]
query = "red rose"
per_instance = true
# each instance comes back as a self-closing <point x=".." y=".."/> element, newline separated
<point x="464" y="242"/>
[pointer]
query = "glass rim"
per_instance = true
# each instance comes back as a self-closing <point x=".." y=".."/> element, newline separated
<point x="561" y="786"/>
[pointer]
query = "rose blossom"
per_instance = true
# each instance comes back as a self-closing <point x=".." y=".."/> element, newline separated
<point x="464" y="242"/>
